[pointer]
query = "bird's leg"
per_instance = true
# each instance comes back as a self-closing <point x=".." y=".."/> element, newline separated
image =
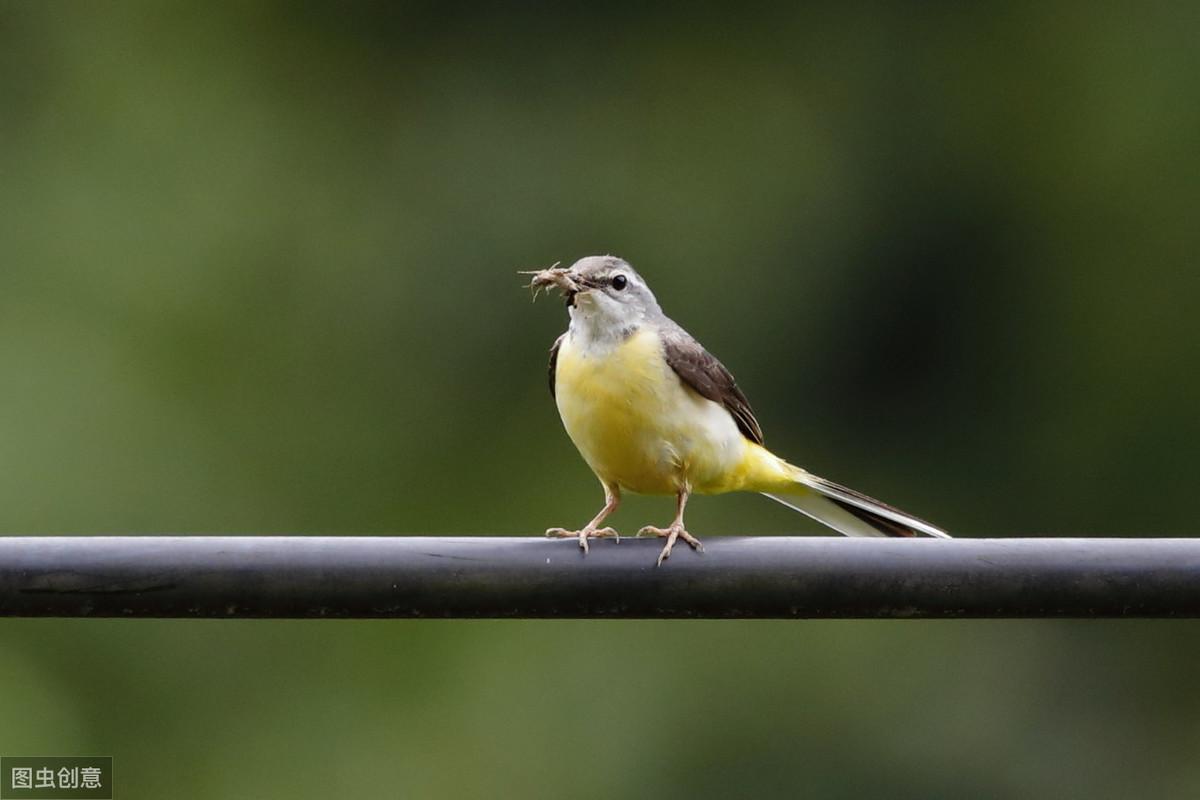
<point x="612" y="499"/>
<point x="676" y="531"/>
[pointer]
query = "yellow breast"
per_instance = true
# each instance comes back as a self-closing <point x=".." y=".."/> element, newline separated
<point x="638" y="425"/>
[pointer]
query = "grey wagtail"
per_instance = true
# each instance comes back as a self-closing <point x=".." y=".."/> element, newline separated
<point x="652" y="412"/>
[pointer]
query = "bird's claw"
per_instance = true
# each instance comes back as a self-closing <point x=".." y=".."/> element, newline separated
<point x="583" y="535"/>
<point x="671" y="534"/>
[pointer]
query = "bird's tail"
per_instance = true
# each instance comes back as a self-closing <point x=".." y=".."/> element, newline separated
<point x="846" y="511"/>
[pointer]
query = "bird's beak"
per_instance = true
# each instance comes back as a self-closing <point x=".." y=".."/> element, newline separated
<point x="560" y="277"/>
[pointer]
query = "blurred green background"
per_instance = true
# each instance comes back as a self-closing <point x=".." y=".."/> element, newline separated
<point x="257" y="274"/>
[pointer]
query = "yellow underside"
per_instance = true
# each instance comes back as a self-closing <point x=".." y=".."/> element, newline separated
<point x="639" y="427"/>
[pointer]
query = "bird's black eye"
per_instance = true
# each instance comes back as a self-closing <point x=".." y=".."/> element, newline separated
<point x="619" y="281"/>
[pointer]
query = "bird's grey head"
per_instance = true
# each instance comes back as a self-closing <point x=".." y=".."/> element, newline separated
<point x="605" y="296"/>
<point x="609" y="294"/>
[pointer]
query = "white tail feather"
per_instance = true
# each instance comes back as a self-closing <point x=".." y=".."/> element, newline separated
<point x="827" y="513"/>
<point x="851" y="513"/>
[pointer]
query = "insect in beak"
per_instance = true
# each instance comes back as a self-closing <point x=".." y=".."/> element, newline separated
<point x="551" y="277"/>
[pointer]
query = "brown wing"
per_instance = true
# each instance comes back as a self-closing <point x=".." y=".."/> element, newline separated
<point x="554" y="361"/>
<point x="701" y="370"/>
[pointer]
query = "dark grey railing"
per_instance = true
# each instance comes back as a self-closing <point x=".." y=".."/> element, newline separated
<point x="781" y="577"/>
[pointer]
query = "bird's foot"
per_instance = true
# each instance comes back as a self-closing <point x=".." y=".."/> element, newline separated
<point x="672" y="533"/>
<point x="588" y="532"/>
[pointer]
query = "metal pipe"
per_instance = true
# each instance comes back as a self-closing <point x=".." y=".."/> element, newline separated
<point x="736" y="577"/>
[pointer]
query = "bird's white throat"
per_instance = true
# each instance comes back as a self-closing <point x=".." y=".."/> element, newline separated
<point x="598" y="324"/>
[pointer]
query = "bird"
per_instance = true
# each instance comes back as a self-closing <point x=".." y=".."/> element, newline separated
<point x="652" y="412"/>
